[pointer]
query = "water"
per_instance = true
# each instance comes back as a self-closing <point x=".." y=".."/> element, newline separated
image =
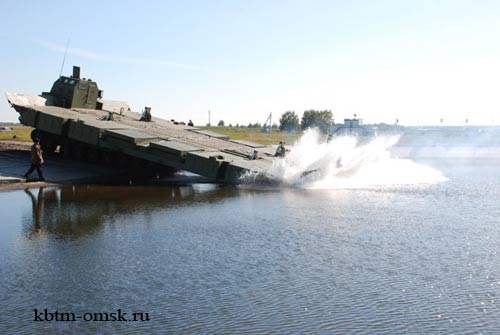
<point x="345" y="163"/>
<point x="380" y="259"/>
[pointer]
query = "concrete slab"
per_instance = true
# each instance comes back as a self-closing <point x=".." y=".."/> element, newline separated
<point x="210" y="134"/>
<point x="174" y="147"/>
<point x="90" y="131"/>
<point x="10" y="180"/>
<point x="130" y="135"/>
<point x="249" y="143"/>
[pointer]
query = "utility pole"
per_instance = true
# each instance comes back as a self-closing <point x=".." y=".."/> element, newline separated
<point x="209" y="118"/>
<point x="265" y="126"/>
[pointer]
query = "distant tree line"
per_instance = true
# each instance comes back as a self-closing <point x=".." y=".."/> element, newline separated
<point x="289" y="121"/>
<point x="323" y="120"/>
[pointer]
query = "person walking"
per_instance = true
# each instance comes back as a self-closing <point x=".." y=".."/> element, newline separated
<point x="36" y="160"/>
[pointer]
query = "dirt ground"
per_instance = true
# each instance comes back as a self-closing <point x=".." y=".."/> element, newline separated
<point x="12" y="156"/>
<point x="15" y="145"/>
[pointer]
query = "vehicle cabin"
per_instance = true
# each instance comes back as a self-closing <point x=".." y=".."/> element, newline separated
<point x="73" y="92"/>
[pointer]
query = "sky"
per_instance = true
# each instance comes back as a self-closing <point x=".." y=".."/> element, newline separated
<point x="415" y="61"/>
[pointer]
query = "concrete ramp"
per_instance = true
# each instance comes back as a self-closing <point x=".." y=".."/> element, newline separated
<point x="159" y="145"/>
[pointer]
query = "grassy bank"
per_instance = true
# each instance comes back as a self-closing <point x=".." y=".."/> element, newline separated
<point x="255" y="135"/>
<point x="19" y="133"/>
<point x="22" y="133"/>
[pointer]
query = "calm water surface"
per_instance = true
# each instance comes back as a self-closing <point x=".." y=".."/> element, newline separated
<point x="210" y="259"/>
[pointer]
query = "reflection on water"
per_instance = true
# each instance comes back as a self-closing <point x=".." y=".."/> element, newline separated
<point x="205" y="259"/>
<point x="37" y="204"/>
<point x="81" y="210"/>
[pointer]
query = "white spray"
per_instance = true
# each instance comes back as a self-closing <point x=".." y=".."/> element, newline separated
<point x="343" y="163"/>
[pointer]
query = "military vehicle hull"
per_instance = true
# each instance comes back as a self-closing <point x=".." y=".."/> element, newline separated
<point x="147" y="148"/>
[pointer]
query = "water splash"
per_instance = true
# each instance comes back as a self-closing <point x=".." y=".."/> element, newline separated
<point x="344" y="163"/>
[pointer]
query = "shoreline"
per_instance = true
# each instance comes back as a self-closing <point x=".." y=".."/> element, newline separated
<point x="15" y="161"/>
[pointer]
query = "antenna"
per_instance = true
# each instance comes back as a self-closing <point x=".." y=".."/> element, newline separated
<point x="64" y="58"/>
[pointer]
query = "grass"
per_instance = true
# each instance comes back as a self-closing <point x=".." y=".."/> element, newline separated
<point x="22" y="133"/>
<point x="19" y="133"/>
<point x="255" y="135"/>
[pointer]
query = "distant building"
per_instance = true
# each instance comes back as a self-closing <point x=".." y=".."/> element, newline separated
<point x="350" y="127"/>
